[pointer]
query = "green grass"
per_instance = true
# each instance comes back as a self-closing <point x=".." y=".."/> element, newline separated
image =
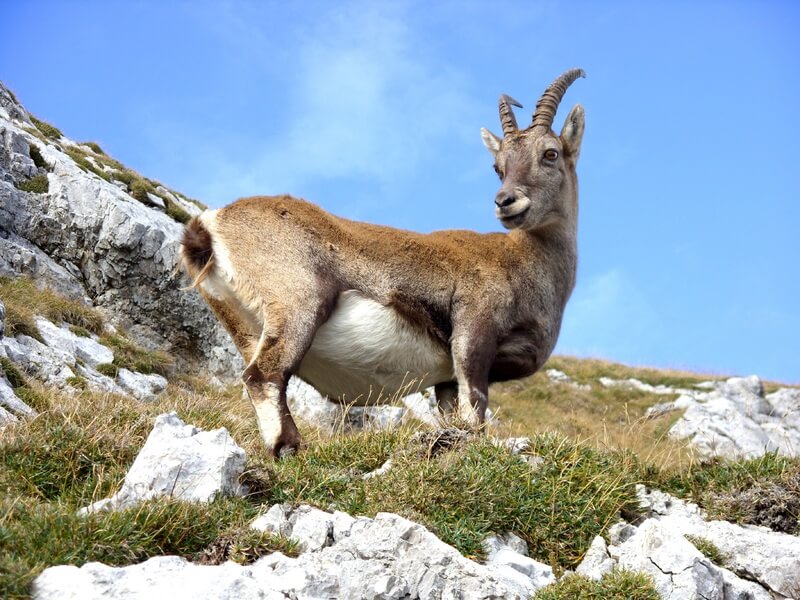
<point x="33" y="537"/>
<point x="49" y="131"/>
<point x="130" y="356"/>
<point x="37" y="158"/>
<point x="139" y="188"/>
<point x="29" y="394"/>
<point x="108" y="369"/>
<point x="94" y="146"/>
<point x="616" y="585"/>
<point x="23" y="300"/>
<point x="77" y="382"/>
<point x="79" y="156"/>
<point x="39" y="184"/>
<point x="709" y="549"/>
<point x="761" y="491"/>
<point x="176" y="212"/>
<point x="557" y="508"/>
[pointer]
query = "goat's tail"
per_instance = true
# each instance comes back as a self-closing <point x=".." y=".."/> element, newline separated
<point x="197" y="251"/>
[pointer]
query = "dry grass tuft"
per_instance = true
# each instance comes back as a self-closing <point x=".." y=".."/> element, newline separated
<point x="24" y="300"/>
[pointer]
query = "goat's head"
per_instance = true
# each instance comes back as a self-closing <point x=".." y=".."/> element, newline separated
<point x="536" y="166"/>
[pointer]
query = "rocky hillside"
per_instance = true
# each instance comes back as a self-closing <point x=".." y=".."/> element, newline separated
<point x="75" y="219"/>
<point x="127" y="472"/>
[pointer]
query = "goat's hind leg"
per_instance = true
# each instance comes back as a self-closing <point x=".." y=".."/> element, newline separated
<point x="288" y="331"/>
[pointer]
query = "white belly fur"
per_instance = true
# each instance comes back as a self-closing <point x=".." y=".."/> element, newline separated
<point x="366" y="352"/>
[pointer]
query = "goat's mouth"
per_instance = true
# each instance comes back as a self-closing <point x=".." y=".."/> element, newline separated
<point x="511" y="221"/>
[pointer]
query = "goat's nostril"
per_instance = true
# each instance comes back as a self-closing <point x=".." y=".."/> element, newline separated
<point x="504" y="201"/>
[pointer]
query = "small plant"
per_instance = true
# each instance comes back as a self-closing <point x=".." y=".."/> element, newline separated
<point x="108" y="369"/>
<point x="709" y="549"/>
<point x="13" y="375"/>
<point x="139" y="188"/>
<point x="124" y="175"/>
<point x="49" y="131"/>
<point x="77" y="382"/>
<point x="36" y="185"/>
<point x="619" y="584"/>
<point x="177" y="213"/>
<point x="245" y="546"/>
<point x="80" y="331"/>
<point x="37" y="158"/>
<point x="79" y="156"/>
<point x="24" y="300"/>
<point x="130" y="356"/>
<point x="95" y="147"/>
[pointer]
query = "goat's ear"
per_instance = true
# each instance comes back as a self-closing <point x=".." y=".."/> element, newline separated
<point x="490" y="140"/>
<point x="572" y="132"/>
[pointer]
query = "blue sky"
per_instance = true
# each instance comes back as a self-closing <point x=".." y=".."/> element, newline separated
<point x="689" y="176"/>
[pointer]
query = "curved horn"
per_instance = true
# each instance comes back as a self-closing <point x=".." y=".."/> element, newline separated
<point x="507" y="118"/>
<point x="547" y="105"/>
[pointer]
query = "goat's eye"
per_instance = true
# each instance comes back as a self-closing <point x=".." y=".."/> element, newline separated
<point x="550" y="155"/>
<point x="497" y="170"/>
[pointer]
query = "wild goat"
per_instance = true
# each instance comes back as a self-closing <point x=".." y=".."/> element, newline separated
<point x="354" y="308"/>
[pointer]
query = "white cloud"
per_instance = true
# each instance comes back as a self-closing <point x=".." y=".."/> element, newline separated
<point x="367" y="100"/>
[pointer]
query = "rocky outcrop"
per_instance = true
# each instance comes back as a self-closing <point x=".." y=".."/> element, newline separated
<point x="89" y="239"/>
<point x="756" y="562"/>
<point x="735" y="419"/>
<point x="70" y="362"/>
<point x="343" y="557"/>
<point x="182" y="462"/>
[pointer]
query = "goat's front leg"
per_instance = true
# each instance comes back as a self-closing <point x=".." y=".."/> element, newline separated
<point x="473" y="352"/>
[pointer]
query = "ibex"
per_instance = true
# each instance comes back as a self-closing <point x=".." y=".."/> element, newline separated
<point x="354" y="308"/>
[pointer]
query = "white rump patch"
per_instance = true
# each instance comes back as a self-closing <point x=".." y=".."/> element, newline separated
<point x="366" y="350"/>
<point x="219" y="280"/>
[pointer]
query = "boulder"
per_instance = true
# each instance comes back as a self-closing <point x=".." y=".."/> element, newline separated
<point x="770" y="558"/>
<point x="10" y="401"/>
<point x="50" y="365"/>
<point x="678" y="569"/>
<point x="387" y="557"/>
<point x="88" y="349"/>
<point x="140" y="386"/>
<point x="597" y="561"/>
<point x="180" y="461"/>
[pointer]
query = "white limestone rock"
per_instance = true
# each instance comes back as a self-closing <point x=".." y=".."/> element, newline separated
<point x="6" y="417"/>
<point x="180" y="461"/>
<point x="755" y="553"/>
<point x="159" y="577"/>
<point x="375" y="418"/>
<point x="596" y="562"/>
<point x="9" y="400"/>
<point x="387" y="557"/>
<point x="87" y="349"/>
<point x="424" y="407"/>
<point x="495" y="543"/>
<point x="307" y="404"/>
<point x="678" y="569"/>
<point x="50" y="365"/>
<point x="140" y="386"/>
<point x="98" y="382"/>
<point x="88" y="237"/>
<point x="310" y="527"/>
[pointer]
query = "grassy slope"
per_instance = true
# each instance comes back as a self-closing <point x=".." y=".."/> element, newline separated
<point x="594" y="444"/>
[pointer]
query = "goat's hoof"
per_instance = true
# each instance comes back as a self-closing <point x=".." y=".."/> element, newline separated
<point x="287" y="451"/>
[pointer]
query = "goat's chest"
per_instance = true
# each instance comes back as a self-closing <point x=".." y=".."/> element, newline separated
<point x="366" y="350"/>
